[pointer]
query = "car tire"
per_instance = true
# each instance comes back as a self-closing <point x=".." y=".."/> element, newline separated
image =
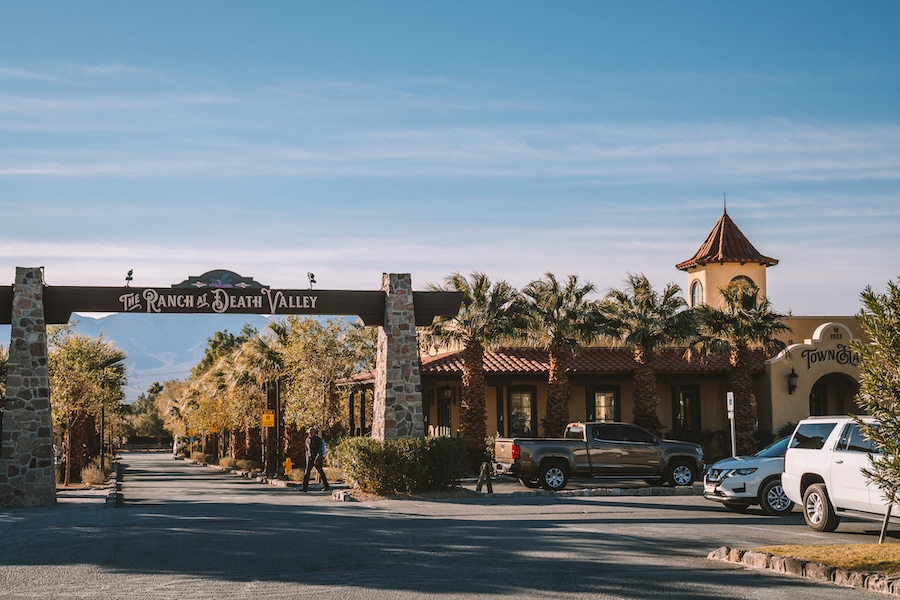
<point x="553" y="477"/>
<point x="773" y="500"/>
<point x="680" y="473"/>
<point x="530" y="483"/>
<point x="736" y="507"/>
<point x="818" y="511"/>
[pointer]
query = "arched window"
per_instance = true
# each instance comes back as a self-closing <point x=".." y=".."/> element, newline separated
<point x="696" y="293"/>
<point x="748" y="297"/>
<point x="744" y="279"/>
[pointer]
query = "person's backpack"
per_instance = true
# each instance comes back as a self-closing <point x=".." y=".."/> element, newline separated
<point x="323" y="449"/>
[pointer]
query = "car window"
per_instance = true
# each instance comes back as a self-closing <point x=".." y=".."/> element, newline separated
<point x="775" y="449"/>
<point x="630" y="433"/>
<point x="575" y="432"/>
<point x="606" y="433"/>
<point x="812" y="436"/>
<point x="852" y="440"/>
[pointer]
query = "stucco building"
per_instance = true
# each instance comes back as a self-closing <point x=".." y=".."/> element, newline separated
<point x="817" y="374"/>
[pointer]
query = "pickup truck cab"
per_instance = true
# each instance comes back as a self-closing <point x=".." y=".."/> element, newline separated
<point x="599" y="451"/>
<point x="823" y="472"/>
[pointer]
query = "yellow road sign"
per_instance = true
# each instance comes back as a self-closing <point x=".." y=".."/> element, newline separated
<point x="268" y="418"/>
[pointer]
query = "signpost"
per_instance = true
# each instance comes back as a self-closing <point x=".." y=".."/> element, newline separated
<point x="729" y="397"/>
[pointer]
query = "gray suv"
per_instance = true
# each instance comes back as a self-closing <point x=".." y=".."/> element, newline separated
<point x="743" y="481"/>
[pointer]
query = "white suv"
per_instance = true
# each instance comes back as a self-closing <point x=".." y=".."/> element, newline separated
<point x="823" y="472"/>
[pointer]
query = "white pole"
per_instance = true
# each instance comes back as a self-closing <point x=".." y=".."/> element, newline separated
<point x="730" y="400"/>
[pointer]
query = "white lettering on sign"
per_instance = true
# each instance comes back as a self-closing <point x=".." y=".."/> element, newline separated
<point x="280" y="301"/>
<point x="130" y="302"/>
<point x="222" y="301"/>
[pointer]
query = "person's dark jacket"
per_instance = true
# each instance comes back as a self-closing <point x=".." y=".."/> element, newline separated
<point x="314" y="448"/>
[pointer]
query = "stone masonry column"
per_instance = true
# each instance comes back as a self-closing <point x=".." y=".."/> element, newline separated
<point x="27" y="474"/>
<point x="398" y="385"/>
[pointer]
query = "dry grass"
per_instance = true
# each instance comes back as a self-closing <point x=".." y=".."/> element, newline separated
<point x="882" y="558"/>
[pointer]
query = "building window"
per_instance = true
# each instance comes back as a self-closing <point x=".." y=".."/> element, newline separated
<point x="686" y="412"/>
<point x="603" y="405"/>
<point x="522" y="412"/>
<point x="444" y="398"/>
<point x="696" y="293"/>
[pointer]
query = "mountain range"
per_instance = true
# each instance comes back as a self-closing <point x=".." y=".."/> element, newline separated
<point x="158" y="347"/>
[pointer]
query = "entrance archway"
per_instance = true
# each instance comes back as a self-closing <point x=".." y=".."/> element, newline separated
<point x="27" y="476"/>
<point x="833" y="394"/>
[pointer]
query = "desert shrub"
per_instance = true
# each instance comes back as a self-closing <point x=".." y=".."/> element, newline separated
<point x="200" y="457"/>
<point x="227" y="462"/>
<point x="786" y="430"/>
<point x="248" y="465"/>
<point x="92" y="475"/>
<point x="716" y="445"/>
<point x="406" y="465"/>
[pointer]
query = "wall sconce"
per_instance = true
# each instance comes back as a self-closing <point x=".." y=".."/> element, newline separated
<point x="447" y="394"/>
<point x="792" y="381"/>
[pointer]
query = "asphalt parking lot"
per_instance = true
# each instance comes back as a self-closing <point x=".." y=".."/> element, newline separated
<point x="185" y="530"/>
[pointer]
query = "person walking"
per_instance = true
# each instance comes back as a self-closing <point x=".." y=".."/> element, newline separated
<point x="314" y="456"/>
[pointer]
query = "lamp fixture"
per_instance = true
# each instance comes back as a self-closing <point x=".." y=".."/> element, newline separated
<point x="792" y="381"/>
<point x="312" y="279"/>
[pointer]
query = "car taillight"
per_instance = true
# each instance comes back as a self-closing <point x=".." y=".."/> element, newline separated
<point x="516" y="451"/>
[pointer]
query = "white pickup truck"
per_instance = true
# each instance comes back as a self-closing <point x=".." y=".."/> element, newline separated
<point x="823" y="472"/>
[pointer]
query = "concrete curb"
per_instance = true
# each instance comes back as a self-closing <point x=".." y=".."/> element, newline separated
<point x="814" y="571"/>
<point x="114" y="497"/>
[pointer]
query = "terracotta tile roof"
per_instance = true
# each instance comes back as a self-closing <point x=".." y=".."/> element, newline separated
<point x="589" y="361"/>
<point x="726" y="244"/>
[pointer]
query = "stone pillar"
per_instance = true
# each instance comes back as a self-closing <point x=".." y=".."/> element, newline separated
<point x="27" y="473"/>
<point x="398" y="384"/>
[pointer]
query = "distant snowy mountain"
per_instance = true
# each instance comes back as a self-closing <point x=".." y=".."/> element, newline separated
<point x="158" y="347"/>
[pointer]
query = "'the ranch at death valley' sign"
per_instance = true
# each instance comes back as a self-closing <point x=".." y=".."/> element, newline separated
<point x="225" y="292"/>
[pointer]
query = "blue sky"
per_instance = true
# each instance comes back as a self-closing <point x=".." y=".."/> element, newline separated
<point x="355" y="138"/>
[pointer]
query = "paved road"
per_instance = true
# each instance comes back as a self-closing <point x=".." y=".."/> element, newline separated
<point x="186" y="531"/>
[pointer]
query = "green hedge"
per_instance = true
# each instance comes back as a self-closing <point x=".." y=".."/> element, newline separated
<point x="407" y="465"/>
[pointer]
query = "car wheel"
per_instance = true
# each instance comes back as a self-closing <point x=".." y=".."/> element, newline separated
<point x="736" y="507"/>
<point x="773" y="500"/>
<point x="817" y="509"/>
<point x="530" y="483"/>
<point x="680" y="473"/>
<point x="554" y="477"/>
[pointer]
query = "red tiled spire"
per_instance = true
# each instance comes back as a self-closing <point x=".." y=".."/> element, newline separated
<point x="726" y="244"/>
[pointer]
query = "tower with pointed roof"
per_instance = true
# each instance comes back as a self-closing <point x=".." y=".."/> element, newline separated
<point x="726" y="255"/>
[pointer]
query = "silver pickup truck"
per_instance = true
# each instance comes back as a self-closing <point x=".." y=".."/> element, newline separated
<point x="598" y="451"/>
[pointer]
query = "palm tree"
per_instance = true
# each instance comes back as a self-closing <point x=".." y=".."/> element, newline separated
<point x="647" y="321"/>
<point x="745" y="321"/>
<point x="263" y="358"/>
<point x="560" y="320"/>
<point x="489" y="315"/>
